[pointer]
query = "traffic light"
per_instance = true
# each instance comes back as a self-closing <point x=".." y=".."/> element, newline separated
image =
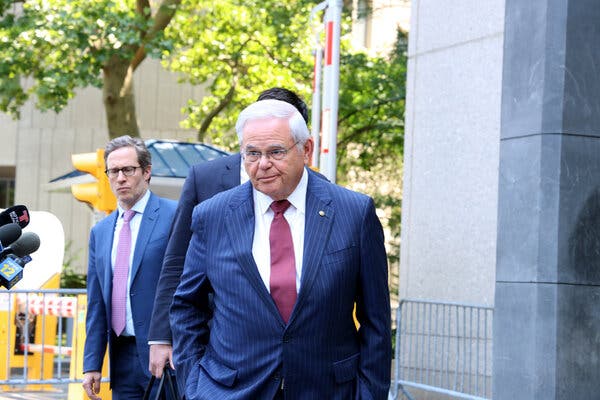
<point x="97" y="194"/>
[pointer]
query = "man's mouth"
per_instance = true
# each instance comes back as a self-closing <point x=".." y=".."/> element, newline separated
<point x="267" y="178"/>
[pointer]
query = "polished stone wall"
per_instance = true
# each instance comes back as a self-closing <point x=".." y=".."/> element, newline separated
<point x="547" y="319"/>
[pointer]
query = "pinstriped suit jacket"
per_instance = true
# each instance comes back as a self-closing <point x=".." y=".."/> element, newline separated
<point x="246" y="350"/>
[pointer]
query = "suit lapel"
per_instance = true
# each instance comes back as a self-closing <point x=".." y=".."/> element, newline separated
<point x="231" y="174"/>
<point x="240" y="228"/>
<point x="149" y="219"/>
<point x="318" y="223"/>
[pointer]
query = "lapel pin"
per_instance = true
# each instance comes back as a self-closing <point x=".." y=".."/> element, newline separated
<point x="322" y="213"/>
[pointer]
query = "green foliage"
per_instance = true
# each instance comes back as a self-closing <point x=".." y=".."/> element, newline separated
<point x="48" y="48"/>
<point x="371" y="131"/>
<point x="237" y="49"/>
<point x="69" y="277"/>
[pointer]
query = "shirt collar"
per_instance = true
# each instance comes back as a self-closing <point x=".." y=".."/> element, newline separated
<point x="138" y="207"/>
<point x="297" y="198"/>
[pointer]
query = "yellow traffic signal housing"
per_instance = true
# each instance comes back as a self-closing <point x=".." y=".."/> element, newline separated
<point x="97" y="194"/>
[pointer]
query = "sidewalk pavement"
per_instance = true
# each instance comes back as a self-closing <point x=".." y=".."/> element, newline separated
<point x="60" y="393"/>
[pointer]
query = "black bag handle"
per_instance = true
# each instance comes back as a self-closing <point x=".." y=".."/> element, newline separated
<point x="160" y="393"/>
<point x="149" y="388"/>
<point x="171" y="386"/>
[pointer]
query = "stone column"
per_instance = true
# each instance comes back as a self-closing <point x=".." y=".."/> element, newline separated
<point x="547" y="299"/>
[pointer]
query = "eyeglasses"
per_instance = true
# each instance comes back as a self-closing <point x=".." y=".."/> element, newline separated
<point x="274" y="154"/>
<point x="127" y="171"/>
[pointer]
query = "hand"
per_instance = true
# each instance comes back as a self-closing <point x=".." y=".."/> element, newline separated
<point x="160" y="355"/>
<point x="91" y="384"/>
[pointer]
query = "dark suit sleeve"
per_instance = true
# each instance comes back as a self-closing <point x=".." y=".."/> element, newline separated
<point x="96" y="325"/>
<point x="373" y="310"/>
<point x="172" y="268"/>
<point x="191" y="309"/>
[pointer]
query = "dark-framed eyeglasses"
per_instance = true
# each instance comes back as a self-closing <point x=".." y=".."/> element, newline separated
<point x="277" y="154"/>
<point x="127" y="171"/>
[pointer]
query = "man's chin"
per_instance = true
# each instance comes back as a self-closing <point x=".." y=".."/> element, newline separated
<point x="269" y="190"/>
<point x="124" y="200"/>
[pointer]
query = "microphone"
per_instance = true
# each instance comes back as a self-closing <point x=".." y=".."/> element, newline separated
<point x="8" y="234"/>
<point x="16" y="214"/>
<point x="15" y="256"/>
<point x="28" y="243"/>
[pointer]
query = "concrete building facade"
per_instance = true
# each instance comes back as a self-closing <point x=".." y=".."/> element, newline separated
<point x="452" y="136"/>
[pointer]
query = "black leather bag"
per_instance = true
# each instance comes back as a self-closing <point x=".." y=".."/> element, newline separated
<point x="165" y="385"/>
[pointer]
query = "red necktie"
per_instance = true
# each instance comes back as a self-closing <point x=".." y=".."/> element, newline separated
<point x="120" y="275"/>
<point x="283" y="262"/>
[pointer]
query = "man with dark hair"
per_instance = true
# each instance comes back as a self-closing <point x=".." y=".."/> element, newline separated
<point x="125" y="258"/>
<point x="288" y="96"/>
<point x="203" y="181"/>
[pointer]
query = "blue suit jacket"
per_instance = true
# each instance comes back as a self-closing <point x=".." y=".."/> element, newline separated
<point x="247" y="349"/>
<point x="147" y="263"/>
<point x="203" y="181"/>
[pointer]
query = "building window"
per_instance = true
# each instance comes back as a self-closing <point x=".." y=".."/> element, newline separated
<point x="7" y="187"/>
<point x="7" y="192"/>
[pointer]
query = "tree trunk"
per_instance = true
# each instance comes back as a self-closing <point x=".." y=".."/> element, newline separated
<point x="118" y="97"/>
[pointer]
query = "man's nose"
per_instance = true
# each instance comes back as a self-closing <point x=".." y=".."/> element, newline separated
<point x="264" y="161"/>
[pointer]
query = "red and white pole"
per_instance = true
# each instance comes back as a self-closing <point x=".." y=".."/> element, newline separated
<point x="316" y="95"/>
<point x="331" y="79"/>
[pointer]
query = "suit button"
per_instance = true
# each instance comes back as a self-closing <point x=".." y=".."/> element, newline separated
<point x="286" y="339"/>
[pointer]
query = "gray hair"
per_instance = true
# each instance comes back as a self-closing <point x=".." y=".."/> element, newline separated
<point x="274" y="109"/>
<point x="143" y="155"/>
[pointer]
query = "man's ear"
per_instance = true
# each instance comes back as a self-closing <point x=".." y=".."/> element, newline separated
<point x="308" y="151"/>
<point x="147" y="172"/>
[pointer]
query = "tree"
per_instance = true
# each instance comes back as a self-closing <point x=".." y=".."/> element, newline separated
<point x="370" y="139"/>
<point x="237" y="49"/>
<point x="49" y="48"/>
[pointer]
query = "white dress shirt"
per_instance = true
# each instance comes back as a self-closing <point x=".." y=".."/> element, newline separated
<point x="295" y="216"/>
<point x="134" y="226"/>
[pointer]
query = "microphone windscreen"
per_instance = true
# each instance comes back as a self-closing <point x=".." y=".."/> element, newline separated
<point x="28" y="243"/>
<point x="15" y="215"/>
<point x="9" y="233"/>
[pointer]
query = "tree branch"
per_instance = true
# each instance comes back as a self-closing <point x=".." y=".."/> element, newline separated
<point x="142" y="7"/>
<point x="370" y="107"/>
<point x="273" y="57"/>
<point x="215" y="111"/>
<point x="162" y="19"/>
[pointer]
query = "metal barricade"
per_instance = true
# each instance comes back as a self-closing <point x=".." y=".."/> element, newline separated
<point x="38" y="330"/>
<point x="442" y="347"/>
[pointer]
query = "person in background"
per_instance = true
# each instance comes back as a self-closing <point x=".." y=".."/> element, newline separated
<point x="264" y="309"/>
<point x="204" y="180"/>
<point x="126" y="250"/>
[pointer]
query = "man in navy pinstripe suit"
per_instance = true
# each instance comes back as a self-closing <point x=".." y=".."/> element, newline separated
<point x="249" y="350"/>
